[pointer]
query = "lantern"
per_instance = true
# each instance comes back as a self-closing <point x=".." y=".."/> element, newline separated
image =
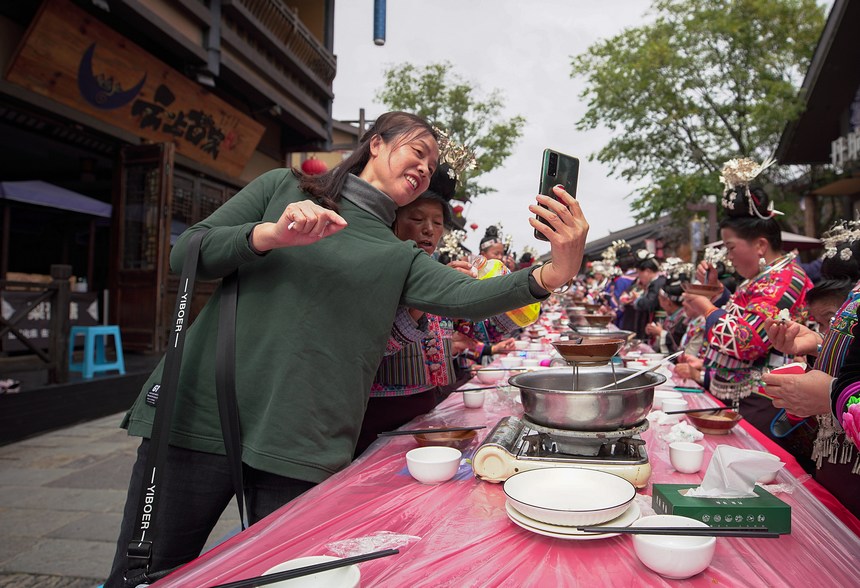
<point x="474" y="226"/>
<point x="458" y="209"/>
<point x="313" y="166"/>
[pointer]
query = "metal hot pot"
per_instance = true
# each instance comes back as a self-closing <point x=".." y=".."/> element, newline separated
<point x="549" y="397"/>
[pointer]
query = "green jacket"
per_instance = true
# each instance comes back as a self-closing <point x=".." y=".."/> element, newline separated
<point x="312" y="326"/>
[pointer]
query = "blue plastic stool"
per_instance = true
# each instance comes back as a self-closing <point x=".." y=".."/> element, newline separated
<point x="94" y="350"/>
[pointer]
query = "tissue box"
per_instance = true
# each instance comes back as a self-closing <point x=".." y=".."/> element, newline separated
<point x="766" y="510"/>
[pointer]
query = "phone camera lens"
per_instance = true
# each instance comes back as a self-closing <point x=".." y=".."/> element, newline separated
<point x="553" y="163"/>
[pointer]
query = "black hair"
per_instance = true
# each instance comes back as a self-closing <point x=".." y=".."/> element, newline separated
<point x="441" y="189"/>
<point x="391" y="126"/>
<point x="624" y="258"/>
<point x="835" y="267"/>
<point x="491" y="234"/>
<point x="648" y="263"/>
<point x="746" y="224"/>
<point x="835" y="288"/>
<point x="673" y="291"/>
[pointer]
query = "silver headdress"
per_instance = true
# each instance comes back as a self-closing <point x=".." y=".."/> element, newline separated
<point x="736" y="176"/>
<point x="838" y="238"/>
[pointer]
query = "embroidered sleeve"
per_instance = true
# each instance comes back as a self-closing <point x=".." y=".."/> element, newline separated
<point x="405" y="330"/>
<point x="739" y="333"/>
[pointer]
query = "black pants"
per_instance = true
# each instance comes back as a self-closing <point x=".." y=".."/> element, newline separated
<point x="196" y="488"/>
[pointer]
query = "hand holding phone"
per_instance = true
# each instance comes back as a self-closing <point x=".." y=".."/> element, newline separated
<point x="556" y="169"/>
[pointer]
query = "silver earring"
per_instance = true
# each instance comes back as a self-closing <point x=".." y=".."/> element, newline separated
<point x="762" y="263"/>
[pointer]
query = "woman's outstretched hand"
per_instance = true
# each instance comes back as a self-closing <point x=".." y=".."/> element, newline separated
<point x="301" y="223"/>
<point x="566" y="233"/>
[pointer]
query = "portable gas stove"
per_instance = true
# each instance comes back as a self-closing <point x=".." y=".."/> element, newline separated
<point x="517" y="444"/>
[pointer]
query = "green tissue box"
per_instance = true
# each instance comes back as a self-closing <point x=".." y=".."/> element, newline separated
<point x="765" y="510"/>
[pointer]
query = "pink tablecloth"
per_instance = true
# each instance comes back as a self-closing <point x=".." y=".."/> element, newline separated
<point x="466" y="538"/>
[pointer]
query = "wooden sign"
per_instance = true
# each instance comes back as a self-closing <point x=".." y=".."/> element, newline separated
<point x="73" y="58"/>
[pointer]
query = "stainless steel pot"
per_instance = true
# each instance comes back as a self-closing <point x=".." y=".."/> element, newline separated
<point x="549" y="398"/>
<point x="593" y="332"/>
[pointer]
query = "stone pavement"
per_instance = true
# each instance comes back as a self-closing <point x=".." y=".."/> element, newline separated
<point x="61" y="501"/>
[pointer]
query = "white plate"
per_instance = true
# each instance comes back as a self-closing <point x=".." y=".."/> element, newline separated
<point x="627" y="518"/>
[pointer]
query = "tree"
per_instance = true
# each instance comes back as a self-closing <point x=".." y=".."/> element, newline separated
<point x="439" y="95"/>
<point x="706" y="81"/>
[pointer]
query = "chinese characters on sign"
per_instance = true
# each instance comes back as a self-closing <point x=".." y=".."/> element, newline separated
<point x="197" y="127"/>
<point x="845" y="149"/>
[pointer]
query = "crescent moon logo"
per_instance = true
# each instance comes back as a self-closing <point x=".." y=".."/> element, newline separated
<point x="103" y="91"/>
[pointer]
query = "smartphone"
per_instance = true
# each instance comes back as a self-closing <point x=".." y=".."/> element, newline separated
<point x="556" y="168"/>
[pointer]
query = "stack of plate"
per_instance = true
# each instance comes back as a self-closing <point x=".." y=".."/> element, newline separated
<point x="554" y="501"/>
<point x="627" y="518"/>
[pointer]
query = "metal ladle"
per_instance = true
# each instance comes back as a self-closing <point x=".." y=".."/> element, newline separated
<point x="663" y="361"/>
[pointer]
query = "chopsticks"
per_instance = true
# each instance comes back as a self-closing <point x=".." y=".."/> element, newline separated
<point x="476" y="389"/>
<point x="422" y="431"/>
<point x="306" y="570"/>
<point x="757" y="532"/>
<point x="512" y="369"/>
<point x="689" y="410"/>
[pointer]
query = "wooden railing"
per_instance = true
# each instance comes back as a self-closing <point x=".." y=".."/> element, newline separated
<point x="285" y="35"/>
<point x="55" y="359"/>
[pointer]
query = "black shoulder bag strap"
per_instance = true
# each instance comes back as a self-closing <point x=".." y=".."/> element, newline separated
<point x="139" y="554"/>
<point x="225" y="385"/>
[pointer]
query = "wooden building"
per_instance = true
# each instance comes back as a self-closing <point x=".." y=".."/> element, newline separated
<point x="827" y="133"/>
<point x="162" y="108"/>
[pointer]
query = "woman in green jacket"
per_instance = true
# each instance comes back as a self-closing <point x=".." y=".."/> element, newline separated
<point x="321" y="275"/>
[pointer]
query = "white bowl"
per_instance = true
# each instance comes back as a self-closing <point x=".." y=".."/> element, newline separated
<point x="511" y="361"/>
<point x="661" y="395"/>
<point x="569" y="496"/>
<point x="473" y="398"/>
<point x="346" y="577"/>
<point x="521" y="345"/>
<point x="489" y="376"/>
<point x="531" y="362"/>
<point x="673" y="556"/>
<point x="432" y="465"/>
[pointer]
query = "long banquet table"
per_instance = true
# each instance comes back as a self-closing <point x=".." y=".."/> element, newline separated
<point x="465" y="538"/>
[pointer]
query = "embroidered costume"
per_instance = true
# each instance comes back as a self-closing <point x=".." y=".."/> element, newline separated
<point x="737" y="347"/>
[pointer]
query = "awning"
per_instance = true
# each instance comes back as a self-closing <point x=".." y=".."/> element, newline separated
<point x="789" y="241"/>
<point x="45" y="194"/>
<point x="843" y="187"/>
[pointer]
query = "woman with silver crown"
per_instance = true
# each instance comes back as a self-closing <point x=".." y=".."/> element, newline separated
<point x="817" y="392"/>
<point x="737" y="347"/>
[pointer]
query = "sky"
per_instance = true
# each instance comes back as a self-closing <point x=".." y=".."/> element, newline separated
<point x="523" y="49"/>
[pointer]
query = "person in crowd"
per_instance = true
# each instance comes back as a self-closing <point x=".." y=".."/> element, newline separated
<point x="619" y="255"/>
<point x="737" y="345"/>
<point x="642" y="298"/>
<point x="320" y="277"/>
<point x="410" y="382"/>
<point x="526" y="260"/>
<point x="814" y="394"/>
<point x="492" y="244"/>
<point x="668" y="336"/>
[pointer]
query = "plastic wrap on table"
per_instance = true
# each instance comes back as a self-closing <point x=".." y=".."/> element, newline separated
<point x="466" y="539"/>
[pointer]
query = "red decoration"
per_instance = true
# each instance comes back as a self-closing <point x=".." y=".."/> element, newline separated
<point x="474" y="226"/>
<point x="458" y="209"/>
<point x="313" y="166"/>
